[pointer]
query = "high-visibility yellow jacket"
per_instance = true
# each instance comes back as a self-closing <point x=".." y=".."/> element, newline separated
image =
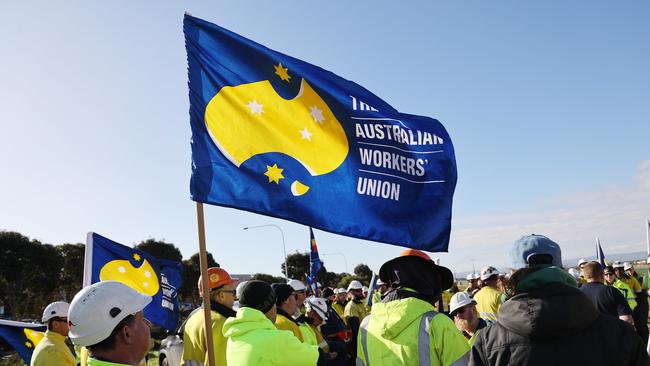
<point x="339" y="308"/>
<point x="488" y="301"/>
<point x="84" y="359"/>
<point x="254" y="341"/>
<point x="322" y="343"/>
<point x="194" y="346"/>
<point x="282" y="322"/>
<point x="409" y="332"/>
<point x="353" y="309"/>
<point x="52" y="351"/>
<point x="308" y="335"/>
<point x="627" y="292"/>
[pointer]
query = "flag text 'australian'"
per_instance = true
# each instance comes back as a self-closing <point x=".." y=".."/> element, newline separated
<point x="278" y="136"/>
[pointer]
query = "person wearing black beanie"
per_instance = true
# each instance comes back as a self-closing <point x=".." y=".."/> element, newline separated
<point x="253" y="340"/>
<point x="287" y="304"/>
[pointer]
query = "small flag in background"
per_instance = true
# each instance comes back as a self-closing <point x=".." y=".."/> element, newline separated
<point x="599" y="254"/>
<point x="275" y="135"/>
<point x="22" y="337"/>
<point x="159" y="278"/>
<point x="315" y="263"/>
<point x="371" y="289"/>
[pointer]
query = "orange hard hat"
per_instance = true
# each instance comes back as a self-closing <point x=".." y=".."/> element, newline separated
<point x="217" y="277"/>
<point x="415" y="252"/>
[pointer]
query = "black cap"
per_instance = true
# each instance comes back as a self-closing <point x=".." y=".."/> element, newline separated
<point x="257" y="295"/>
<point x="416" y="272"/>
<point x="327" y="292"/>
<point x="282" y="292"/>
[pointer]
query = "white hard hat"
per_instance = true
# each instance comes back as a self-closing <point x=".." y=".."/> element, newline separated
<point x="355" y="285"/>
<point x="627" y="265"/>
<point x="55" y="309"/>
<point x="617" y="264"/>
<point x="97" y="309"/>
<point x="342" y="290"/>
<point x="459" y="300"/>
<point x="488" y="272"/>
<point x="240" y="288"/>
<point x="318" y="305"/>
<point x="472" y="276"/>
<point x="582" y="261"/>
<point x="574" y="272"/>
<point x="648" y="260"/>
<point x="380" y="282"/>
<point x="297" y="285"/>
<point x="364" y="289"/>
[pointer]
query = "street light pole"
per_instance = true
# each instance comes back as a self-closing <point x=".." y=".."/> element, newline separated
<point x="344" y="259"/>
<point x="284" y="248"/>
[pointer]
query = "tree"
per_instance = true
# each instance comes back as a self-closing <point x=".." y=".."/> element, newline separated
<point x="160" y="249"/>
<point x="191" y="273"/>
<point x="363" y="273"/>
<point x="72" y="269"/>
<point x="298" y="266"/>
<point x="267" y="278"/>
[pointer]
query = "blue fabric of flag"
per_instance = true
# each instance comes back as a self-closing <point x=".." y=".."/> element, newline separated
<point x="275" y="135"/>
<point x="15" y="334"/>
<point x="159" y="278"/>
<point x="315" y="263"/>
<point x="600" y="255"/>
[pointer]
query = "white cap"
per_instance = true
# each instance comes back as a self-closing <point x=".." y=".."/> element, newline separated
<point x="297" y="285"/>
<point x="582" y="261"/>
<point x="574" y="272"/>
<point x="97" y="309"/>
<point x="488" y="272"/>
<point x="318" y="305"/>
<point x="240" y="288"/>
<point x="459" y="300"/>
<point x="617" y="264"/>
<point x="55" y="309"/>
<point x="627" y="265"/>
<point x="472" y="276"/>
<point x="364" y="289"/>
<point x="355" y="285"/>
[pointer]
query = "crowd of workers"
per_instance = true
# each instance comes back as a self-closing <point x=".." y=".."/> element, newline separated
<point x="538" y="314"/>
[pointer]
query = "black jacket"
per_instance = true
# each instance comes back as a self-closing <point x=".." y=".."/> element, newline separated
<point x="556" y="325"/>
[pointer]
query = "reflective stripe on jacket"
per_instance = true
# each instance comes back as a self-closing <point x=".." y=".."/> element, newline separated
<point x="488" y="301"/>
<point x="52" y="351"/>
<point x="409" y="332"/>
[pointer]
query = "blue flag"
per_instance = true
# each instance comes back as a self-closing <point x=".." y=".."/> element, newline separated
<point x="22" y="337"/>
<point x="278" y="136"/>
<point x="600" y="255"/>
<point x="315" y="263"/>
<point x="159" y="278"/>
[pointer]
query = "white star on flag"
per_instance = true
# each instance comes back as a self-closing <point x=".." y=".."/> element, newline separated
<point x="316" y="113"/>
<point x="255" y="107"/>
<point x="147" y="273"/>
<point x="306" y="135"/>
<point x="121" y="269"/>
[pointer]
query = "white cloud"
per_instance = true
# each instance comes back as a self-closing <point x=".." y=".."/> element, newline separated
<point x="616" y="215"/>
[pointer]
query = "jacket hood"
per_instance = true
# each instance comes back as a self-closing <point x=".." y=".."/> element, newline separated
<point x="397" y="315"/>
<point x="246" y="320"/>
<point x="553" y="311"/>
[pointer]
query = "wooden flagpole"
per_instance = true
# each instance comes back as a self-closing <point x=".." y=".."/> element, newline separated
<point x="203" y="260"/>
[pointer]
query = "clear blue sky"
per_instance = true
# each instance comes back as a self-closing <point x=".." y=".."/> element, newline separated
<point x="547" y="103"/>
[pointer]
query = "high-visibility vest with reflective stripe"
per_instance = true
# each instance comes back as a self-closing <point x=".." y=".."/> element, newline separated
<point x="431" y="340"/>
<point x="488" y="301"/>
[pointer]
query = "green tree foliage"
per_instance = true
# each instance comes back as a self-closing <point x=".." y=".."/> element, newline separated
<point x="72" y="269"/>
<point x="160" y="249"/>
<point x="30" y="274"/>
<point x="191" y="273"/>
<point x="363" y="273"/>
<point x="298" y="264"/>
<point x="268" y="278"/>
